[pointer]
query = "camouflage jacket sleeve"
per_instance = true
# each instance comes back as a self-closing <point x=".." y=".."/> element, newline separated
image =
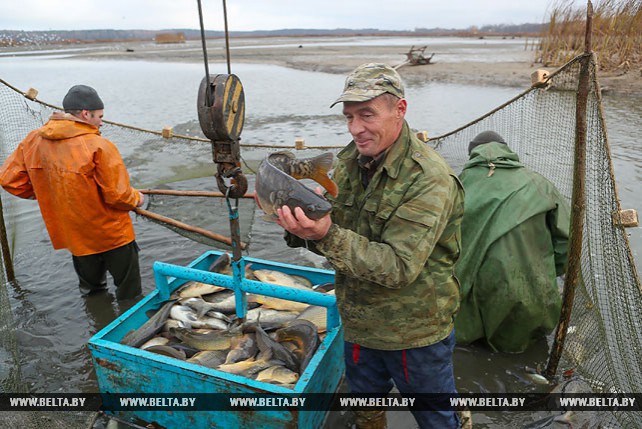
<point x="293" y="241"/>
<point x="401" y="237"/>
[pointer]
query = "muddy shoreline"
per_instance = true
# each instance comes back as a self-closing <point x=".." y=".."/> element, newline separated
<point x="305" y="54"/>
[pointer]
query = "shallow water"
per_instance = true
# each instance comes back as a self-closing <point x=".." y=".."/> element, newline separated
<point x="53" y="324"/>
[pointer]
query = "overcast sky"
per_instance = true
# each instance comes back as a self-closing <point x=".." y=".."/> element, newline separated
<point x="246" y="15"/>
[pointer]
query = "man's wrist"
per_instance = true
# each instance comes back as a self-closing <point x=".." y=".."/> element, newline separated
<point x="331" y="231"/>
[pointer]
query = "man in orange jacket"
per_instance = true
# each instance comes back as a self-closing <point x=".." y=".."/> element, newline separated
<point x="83" y="190"/>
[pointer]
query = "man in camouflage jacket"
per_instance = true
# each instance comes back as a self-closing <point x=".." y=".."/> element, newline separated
<point x="393" y="238"/>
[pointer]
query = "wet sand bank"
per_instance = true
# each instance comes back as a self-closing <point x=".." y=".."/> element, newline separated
<point x="329" y="56"/>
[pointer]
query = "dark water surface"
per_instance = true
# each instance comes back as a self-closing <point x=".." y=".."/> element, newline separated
<point x="53" y="323"/>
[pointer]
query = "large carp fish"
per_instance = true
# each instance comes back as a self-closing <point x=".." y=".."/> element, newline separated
<point x="277" y="183"/>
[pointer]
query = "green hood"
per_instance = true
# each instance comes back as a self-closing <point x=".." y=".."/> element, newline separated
<point x="497" y="153"/>
<point x="514" y="239"/>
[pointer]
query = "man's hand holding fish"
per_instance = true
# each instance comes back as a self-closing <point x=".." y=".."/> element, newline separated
<point x="302" y="226"/>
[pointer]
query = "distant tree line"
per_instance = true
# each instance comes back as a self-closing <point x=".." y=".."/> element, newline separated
<point x="17" y="38"/>
<point x="501" y="29"/>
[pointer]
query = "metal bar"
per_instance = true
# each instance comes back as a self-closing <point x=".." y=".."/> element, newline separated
<point x="227" y="39"/>
<point x="238" y="266"/>
<point x="235" y="229"/>
<point x="578" y="203"/>
<point x="251" y="286"/>
<point x="207" y="69"/>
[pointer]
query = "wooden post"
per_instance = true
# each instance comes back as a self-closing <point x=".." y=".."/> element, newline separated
<point x="4" y="245"/>
<point x="205" y="233"/>
<point x="578" y="204"/>
<point x="188" y="193"/>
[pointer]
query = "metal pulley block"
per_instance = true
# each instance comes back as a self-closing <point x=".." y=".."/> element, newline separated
<point x="221" y="107"/>
<point x="221" y="114"/>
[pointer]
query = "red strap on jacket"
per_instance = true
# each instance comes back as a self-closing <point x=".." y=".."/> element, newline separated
<point x="356" y="349"/>
<point x="405" y="365"/>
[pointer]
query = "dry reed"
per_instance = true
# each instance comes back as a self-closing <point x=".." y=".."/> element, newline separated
<point x="616" y="38"/>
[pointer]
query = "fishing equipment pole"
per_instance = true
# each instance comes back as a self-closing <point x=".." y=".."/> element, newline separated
<point x="190" y="228"/>
<point x="578" y="202"/>
<point x="187" y="193"/>
<point x="221" y="114"/>
<point x="4" y="245"/>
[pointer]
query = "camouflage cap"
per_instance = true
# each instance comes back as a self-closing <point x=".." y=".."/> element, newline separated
<point x="369" y="81"/>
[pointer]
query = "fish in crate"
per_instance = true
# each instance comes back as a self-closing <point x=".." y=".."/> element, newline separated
<point x="274" y="344"/>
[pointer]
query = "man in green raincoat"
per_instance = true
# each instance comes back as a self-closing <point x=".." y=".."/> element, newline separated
<point x="514" y="245"/>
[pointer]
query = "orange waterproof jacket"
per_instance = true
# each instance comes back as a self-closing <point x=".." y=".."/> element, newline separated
<point x="80" y="182"/>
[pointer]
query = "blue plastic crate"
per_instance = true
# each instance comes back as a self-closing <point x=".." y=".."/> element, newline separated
<point x="122" y="369"/>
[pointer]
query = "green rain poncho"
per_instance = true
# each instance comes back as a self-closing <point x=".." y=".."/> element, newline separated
<point x="514" y="239"/>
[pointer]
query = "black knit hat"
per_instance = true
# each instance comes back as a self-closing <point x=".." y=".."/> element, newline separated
<point x="485" y="137"/>
<point x="82" y="97"/>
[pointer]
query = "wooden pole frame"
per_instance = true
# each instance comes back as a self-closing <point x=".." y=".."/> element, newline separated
<point x="4" y="245"/>
<point x="578" y="202"/>
<point x="172" y="222"/>
<point x="188" y="193"/>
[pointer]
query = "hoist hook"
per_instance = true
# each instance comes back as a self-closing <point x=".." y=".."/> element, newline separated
<point x="238" y="182"/>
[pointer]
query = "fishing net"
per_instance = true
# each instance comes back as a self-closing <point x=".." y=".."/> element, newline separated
<point x="604" y="334"/>
<point x="180" y="163"/>
<point x="11" y="380"/>
<point x="604" y="340"/>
